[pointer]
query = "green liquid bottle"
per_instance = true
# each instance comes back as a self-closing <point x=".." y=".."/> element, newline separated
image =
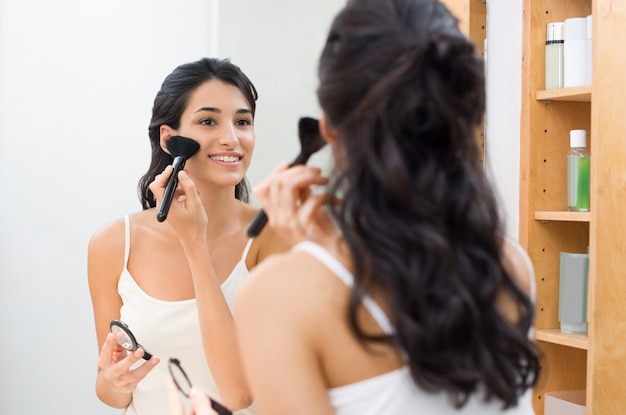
<point x="578" y="163"/>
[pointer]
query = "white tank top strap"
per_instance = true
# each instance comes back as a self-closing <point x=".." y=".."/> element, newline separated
<point x="347" y="278"/>
<point x="126" y="239"/>
<point x="246" y="249"/>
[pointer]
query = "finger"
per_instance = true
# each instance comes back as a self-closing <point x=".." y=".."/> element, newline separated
<point x="294" y="186"/>
<point x="129" y="361"/>
<point x="293" y="179"/>
<point x="200" y="402"/>
<point x="106" y="352"/>
<point x="314" y="219"/>
<point x="175" y="402"/>
<point x="189" y="190"/>
<point x="129" y="378"/>
<point x="157" y="187"/>
<point x="282" y="166"/>
<point x="310" y="208"/>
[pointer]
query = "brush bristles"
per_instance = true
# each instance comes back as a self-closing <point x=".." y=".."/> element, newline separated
<point x="310" y="139"/>
<point x="182" y="146"/>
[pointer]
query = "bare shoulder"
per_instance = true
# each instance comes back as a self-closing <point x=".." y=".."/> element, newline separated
<point x="519" y="265"/>
<point x="292" y="280"/>
<point x="108" y="236"/>
<point x="106" y="248"/>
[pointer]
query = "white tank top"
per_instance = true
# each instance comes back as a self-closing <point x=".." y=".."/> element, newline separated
<point x="395" y="392"/>
<point x="169" y="329"/>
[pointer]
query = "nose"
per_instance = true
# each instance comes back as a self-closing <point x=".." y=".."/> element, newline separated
<point x="228" y="136"/>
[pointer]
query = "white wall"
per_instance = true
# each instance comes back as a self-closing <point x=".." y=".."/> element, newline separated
<point x="77" y="80"/>
<point x="277" y="44"/>
<point x="504" y="91"/>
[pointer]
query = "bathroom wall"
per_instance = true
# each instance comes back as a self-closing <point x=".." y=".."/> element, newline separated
<point x="77" y="80"/>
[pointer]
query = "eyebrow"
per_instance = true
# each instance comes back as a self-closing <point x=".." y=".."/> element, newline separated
<point x="219" y="111"/>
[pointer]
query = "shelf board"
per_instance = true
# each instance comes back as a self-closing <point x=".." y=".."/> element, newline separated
<point x="562" y="216"/>
<point x="575" y="94"/>
<point x="578" y="341"/>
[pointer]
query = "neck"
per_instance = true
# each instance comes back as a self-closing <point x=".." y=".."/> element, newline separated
<point x="223" y="210"/>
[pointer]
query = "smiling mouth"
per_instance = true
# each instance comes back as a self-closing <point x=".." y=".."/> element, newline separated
<point x="225" y="159"/>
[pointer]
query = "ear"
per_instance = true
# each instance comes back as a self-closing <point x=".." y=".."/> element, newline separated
<point x="165" y="132"/>
<point x="328" y="133"/>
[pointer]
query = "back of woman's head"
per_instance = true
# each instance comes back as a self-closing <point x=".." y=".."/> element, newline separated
<point x="170" y="103"/>
<point x="405" y="91"/>
<point x="402" y="66"/>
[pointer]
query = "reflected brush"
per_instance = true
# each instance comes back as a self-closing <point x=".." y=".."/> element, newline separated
<point x="310" y="142"/>
<point x="181" y="149"/>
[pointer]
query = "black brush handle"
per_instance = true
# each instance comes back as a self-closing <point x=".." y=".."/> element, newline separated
<point x="219" y="408"/>
<point x="168" y="196"/>
<point x="257" y="225"/>
<point x="260" y="220"/>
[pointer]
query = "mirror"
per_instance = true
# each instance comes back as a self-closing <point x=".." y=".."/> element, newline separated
<point x="77" y="83"/>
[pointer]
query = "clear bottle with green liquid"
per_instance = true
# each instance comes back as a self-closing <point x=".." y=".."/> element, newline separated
<point x="578" y="172"/>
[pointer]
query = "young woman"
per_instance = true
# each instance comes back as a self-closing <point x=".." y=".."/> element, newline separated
<point x="173" y="285"/>
<point x="401" y="295"/>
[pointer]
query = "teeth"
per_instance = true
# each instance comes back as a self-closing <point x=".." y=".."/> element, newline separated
<point x="225" y="159"/>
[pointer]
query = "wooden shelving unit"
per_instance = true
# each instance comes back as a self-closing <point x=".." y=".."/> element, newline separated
<point x="573" y="94"/>
<point x="596" y="361"/>
<point x="472" y="15"/>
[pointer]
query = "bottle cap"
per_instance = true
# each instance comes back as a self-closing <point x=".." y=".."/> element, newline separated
<point x="575" y="28"/>
<point x="554" y="32"/>
<point x="577" y="138"/>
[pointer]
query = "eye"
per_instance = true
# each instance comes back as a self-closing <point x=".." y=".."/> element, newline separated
<point x="208" y="121"/>
<point x="244" y="122"/>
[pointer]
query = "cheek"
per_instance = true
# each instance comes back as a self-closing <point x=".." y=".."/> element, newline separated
<point x="247" y="141"/>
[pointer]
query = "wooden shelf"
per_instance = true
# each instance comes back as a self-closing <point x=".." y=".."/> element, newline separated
<point x="572" y="94"/>
<point x="594" y="362"/>
<point x="555" y="336"/>
<point x="562" y="216"/>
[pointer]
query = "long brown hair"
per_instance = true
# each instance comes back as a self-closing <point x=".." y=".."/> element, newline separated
<point x="405" y="91"/>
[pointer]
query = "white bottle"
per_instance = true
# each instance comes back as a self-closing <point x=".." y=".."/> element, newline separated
<point x="554" y="55"/>
<point x="574" y="51"/>
<point x="588" y="50"/>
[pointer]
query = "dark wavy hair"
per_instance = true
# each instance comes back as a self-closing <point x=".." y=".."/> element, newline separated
<point x="405" y="91"/>
<point x="170" y="103"/>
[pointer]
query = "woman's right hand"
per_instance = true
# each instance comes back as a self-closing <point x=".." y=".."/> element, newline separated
<point x="117" y="366"/>
<point x="200" y="404"/>
<point x="187" y="215"/>
<point x="292" y="207"/>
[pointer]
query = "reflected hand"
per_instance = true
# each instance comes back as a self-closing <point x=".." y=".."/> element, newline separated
<point x="186" y="215"/>
<point x="116" y="366"/>
<point x="293" y="209"/>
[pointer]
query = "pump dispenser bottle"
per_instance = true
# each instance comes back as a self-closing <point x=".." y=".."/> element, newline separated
<point x="554" y="55"/>
<point x="578" y="172"/>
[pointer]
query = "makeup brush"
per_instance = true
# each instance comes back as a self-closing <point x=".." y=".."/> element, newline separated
<point x="310" y="142"/>
<point x="181" y="148"/>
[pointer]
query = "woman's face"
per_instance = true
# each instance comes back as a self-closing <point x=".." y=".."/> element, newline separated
<point x="219" y="118"/>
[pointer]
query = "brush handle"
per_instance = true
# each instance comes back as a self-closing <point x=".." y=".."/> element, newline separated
<point x="257" y="225"/>
<point x="260" y="220"/>
<point x="219" y="408"/>
<point x="172" y="183"/>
